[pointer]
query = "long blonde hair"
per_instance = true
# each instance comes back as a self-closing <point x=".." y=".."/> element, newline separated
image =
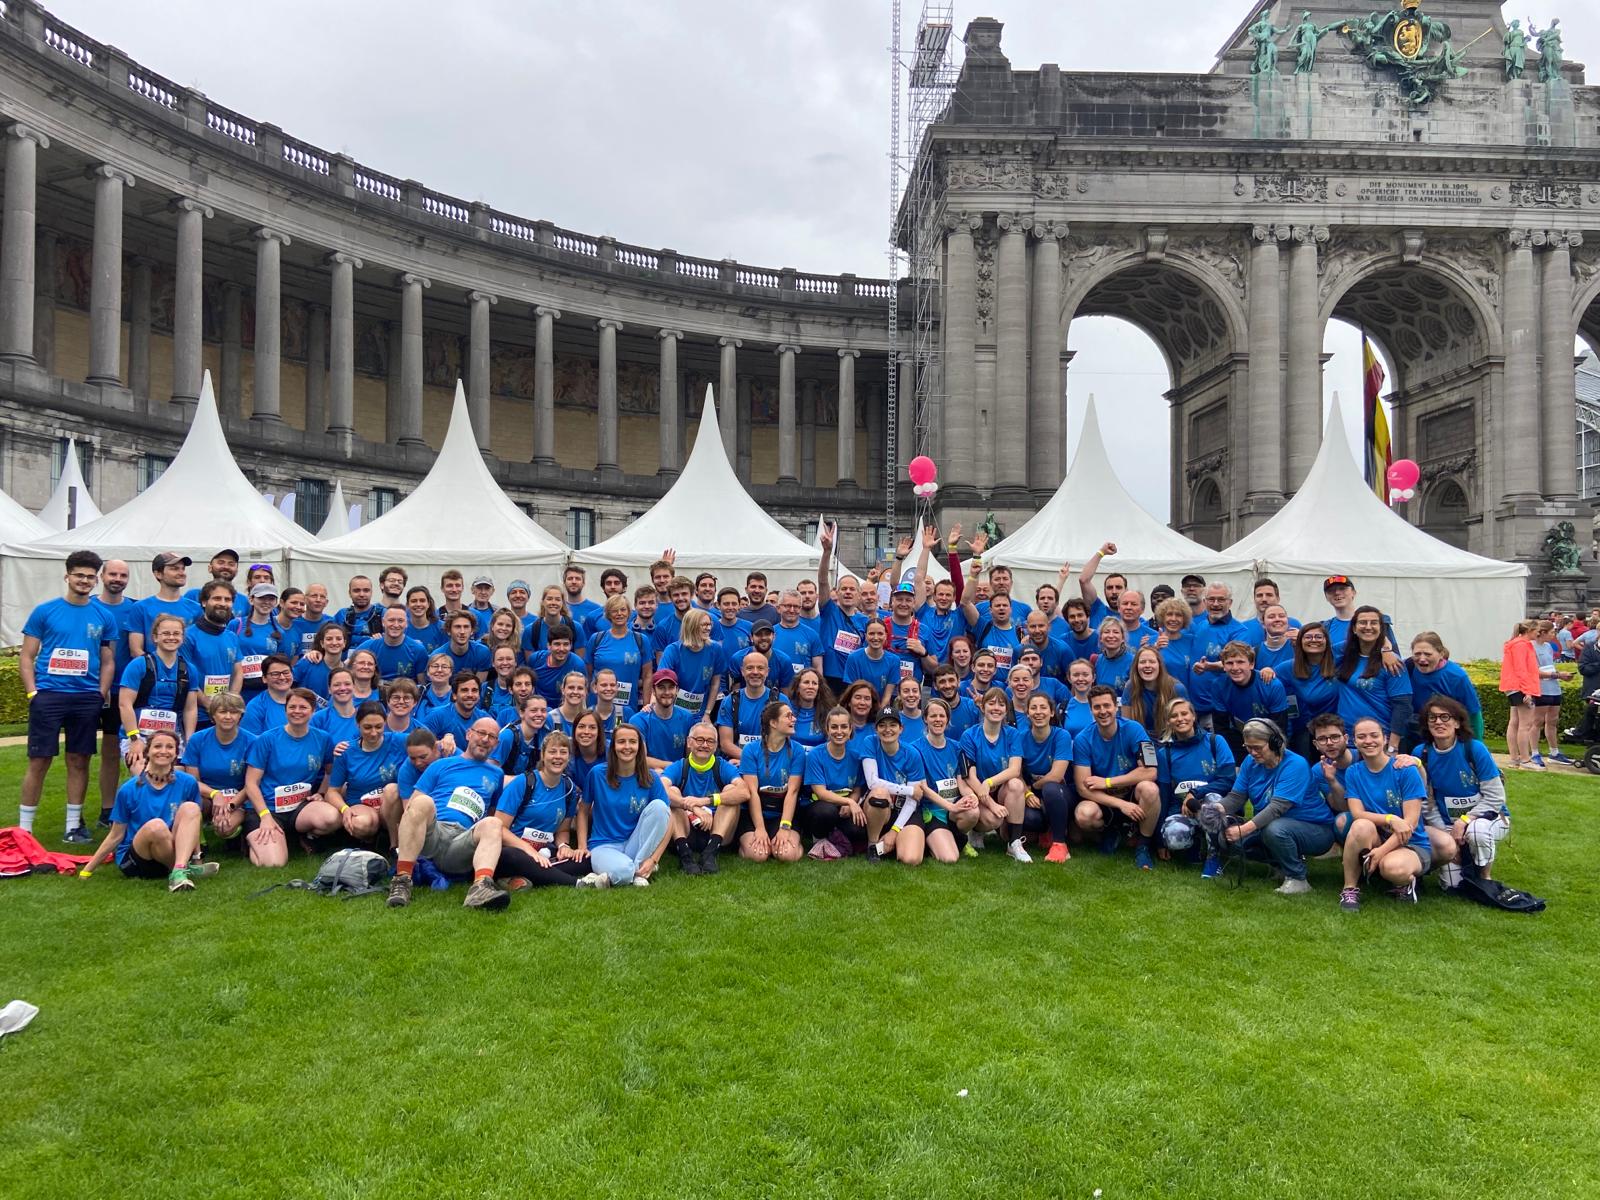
<point x="695" y="631"/>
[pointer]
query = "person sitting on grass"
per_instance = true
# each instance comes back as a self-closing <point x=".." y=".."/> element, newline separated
<point x="833" y="778"/>
<point x="1386" y="837"/>
<point x="359" y="775"/>
<point x="623" y="817"/>
<point x="155" y="822"/>
<point x="893" y="776"/>
<point x="1190" y="764"/>
<point x="948" y="805"/>
<point x="1113" y="765"/>
<point x="1290" y="820"/>
<point x="283" y="780"/>
<point x="533" y="808"/>
<point x="993" y="764"/>
<point x="1467" y="816"/>
<point x="215" y="757"/>
<point x="449" y="820"/>
<point x="771" y="769"/>
<point x="704" y="793"/>
<point x="1046" y="762"/>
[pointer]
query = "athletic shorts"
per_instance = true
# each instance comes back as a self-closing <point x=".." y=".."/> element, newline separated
<point x="76" y="713"/>
<point x="450" y="847"/>
<point x="768" y="819"/>
<point x="1547" y="701"/>
<point x="110" y="720"/>
<point x="1425" y="854"/>
<point x="1514" y="699"/>
<point x="136" y="866"/>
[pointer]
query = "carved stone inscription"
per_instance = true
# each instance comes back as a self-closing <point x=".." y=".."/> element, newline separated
<point x="1417" y="191"/>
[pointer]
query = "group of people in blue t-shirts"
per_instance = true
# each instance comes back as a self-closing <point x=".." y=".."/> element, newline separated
<point x="575" y="742"/>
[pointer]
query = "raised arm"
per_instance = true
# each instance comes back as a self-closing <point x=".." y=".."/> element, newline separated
<point x="1086" y="587"/>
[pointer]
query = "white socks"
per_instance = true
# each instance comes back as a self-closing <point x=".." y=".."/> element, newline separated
<point x="27" y="818"/>
<point x="74" y="816"/>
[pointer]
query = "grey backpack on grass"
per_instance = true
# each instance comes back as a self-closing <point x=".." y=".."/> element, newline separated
<point x="344" y="873"/>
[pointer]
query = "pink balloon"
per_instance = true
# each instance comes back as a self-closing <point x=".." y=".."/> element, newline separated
<point x="922" y="470"/>
<point x="1403" y="474"/>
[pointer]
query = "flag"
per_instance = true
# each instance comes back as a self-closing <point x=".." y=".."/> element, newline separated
<point x="1374" y="427"/>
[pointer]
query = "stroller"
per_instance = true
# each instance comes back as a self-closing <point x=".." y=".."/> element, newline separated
<point x="1587" y="732"/>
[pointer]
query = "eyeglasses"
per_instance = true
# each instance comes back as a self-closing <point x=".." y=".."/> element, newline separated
<point x="1439" y="718"/>
<point x="83" y="576"/>
<point x="1329" y="737"/>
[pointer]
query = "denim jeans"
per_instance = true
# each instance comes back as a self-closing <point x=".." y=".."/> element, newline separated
<point x="1288" y="842"/>
<point x="621" y="862"/>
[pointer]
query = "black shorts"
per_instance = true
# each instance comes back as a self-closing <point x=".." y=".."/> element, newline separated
<point x="931" y="827"/>
<point x="76" y="713"/>
<point x="136" y="866"/>
<point x="1515" y="699"/>
<point x="1547" y="701"/>
<point x="111" y="721"/>
<point x="768" y="819"/>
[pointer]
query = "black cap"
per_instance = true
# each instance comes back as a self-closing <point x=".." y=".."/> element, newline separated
<point x="761" y="627"/>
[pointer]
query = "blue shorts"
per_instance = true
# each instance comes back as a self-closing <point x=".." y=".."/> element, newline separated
<point x="51" y="712"/>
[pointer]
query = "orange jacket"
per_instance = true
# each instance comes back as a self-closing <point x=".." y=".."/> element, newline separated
<point x="1519" y="667"/>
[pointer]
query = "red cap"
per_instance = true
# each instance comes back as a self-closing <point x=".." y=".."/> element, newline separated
<point x="1337" y="581"/>
<point x="666" y="675"/>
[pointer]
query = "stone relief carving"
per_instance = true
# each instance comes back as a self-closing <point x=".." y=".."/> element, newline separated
<point x="1476" y="257"/>
<point x="1292" y="189"/>
<point x="1348" y="252"/>
<point x="1545" y="193"/>
<point x="1461" y="466"/>
<point x="1052" y="185"/>
<point x="985" y="246"/>
<point x="1206" y="464"/>
<point x="990" y="174"/>
<point x="1223" y="254"/>
<point x="1081" y="253"/>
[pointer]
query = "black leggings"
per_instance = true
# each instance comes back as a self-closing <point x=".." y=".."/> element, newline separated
<point x="1057" y="808"/>
<point x="820" y="818"/>
<point x="515" y="861"/>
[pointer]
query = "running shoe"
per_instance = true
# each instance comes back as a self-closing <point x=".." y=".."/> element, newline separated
<point x="969" y="850"/>
<point x="690" y="864"/>
<point x="517" y="883"/>
<point x="708" y="861"/>
<point x="203" y="870"/>
<point x="1142" y="859"/>
<point x="1109" y="841"/>
<point x="399" y="891"/>
<point x="975" y="841"/>
<point x="103" y="821"/>
<point x="486" y="893"/>
<point x="179" y="881"/>
<point x="1407" y="894"/>
<point x="1293" y="887"/>
<point x="1058" y="853"/>
<point x="1213" y="867"/>
<point x="872" y="853"/>
<point x="1350" y="899"/>
<point x="1537" y="760"/>
<point x="77" y="836"/>
<point x="640" y="881"/>
<point x="1016" y="851"/>
<point x="594" y="879"/>
<point x="1557" y="756"/>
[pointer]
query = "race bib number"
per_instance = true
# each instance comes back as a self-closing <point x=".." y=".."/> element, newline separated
<point x="845" y="641"/>
<point x="225" y="797"/>
<point x="907" y="668"/>
<point x="215" y="685"/>
<point x="290" y="796"/>
<point x="153" y="719"/>
<point x="772" y="798"/>
<point x="1002" y="656"/>
<point x="251" y="665"/>
<point x="1460" y="806"/>
<point x="465" y="800"/>
<point x="947" y="789"/>
<point x="624" y="693"/>
<point x="746" y="738"/>
<point x="691" y="701"/>
<point x="66" y="661"/>
<point x="373" y="798"/>
<point x="538" y="837"/>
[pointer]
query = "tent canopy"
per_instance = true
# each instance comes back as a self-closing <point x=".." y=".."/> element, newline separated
<point x="17" y="524"/>
<point x="201" y="503"/>
<point x="55" y="512"/>
<point x="458" y="516"/>
<point x="1423" y="583"/>
<point x="710" y="521"/>
<point x="338" y="522"/>
<point x="1090" y="508"/>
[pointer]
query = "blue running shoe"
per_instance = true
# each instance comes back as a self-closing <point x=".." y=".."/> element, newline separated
<point x="1142" y="860"/>
<point x="1213" y="867"/>
<point x="1109" y="842"/>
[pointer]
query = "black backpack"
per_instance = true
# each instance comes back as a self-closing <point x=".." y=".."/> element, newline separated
<point x="148" y="684"/>
<point x="1493" y="894"/>
<point x="373" y="620"/>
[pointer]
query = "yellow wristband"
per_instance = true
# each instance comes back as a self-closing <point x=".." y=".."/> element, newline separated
<point x="84" y="873"/>
<point x="260" y="813"/>
<point x="343" y="807"/>
<point x="785" y="824"/>
<point x="213" y="794"/>
<point x="33" y="693"/>
<point x="133" y="733"/>
<point x="716" y="799"/>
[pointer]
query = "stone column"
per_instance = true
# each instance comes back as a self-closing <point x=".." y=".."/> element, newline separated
<point x="741" y="438"/>
<point x="478" y="366"/>
<point x="847" y="417"/>
<point x="877" y="450"/>
<point x="1520" y="446"/>
<point x="186" y="326"/>
<point x="392" y="390"/>
<point x="1264" y="415"/>
<point x="906" y="402"/>
<point x="787" y="472"/>
<point x="230" y="396"/>
<point x="105" y="282"/>
<point x="809" y="390"/>
<point x="342" y="348"/>
<point x="1303" y="412"/>
<point x="960" y="431"/>
<point x="269" y="325"/>
<point x="544" y="386"/>
<point x="727" y="395"/>
<point x="139" y="316"/>
<point x="1011" y="356"/>
<point x="670" y="423"/>
<point x="1558" y="404"/>
<point x="1046" y="400"/>
<point x="17" y="232"/>
<point x="46" y="243"/>
<point x="606" y="458"/>
<point x="316" y="368"/>
<point x="409" y="432"/>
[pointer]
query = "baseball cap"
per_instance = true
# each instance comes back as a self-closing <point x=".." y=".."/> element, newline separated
<point x="263" y="589"/>
<point x="906" y="586"/>
<point x="483" y="581"/>
<point x="227" y="553"/>
<point x="665" y="675"/>
<point x="761" y="627"/>
<point x="1337" y="581"/>
<point x="889" y="715"/>
<point x="169" y="558"/>
<point x="510" y="587"/>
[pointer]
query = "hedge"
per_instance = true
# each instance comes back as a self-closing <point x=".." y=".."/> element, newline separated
<point x="13" y="704"/>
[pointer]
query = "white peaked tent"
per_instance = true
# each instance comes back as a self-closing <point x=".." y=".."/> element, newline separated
<point x="17" y="524"/>
<point x="457" y="517"/>
<point x="711" y="522"/>
<point x="54" y="513"/>
<point x="1090" y="508"/>
<point x="1471" y="601"/>
<point x="201" y="504"/>
<point x="338" y="522"/>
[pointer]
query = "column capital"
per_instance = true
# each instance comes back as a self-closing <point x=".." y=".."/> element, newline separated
<point x="107" y="171"/>
<point x="1014" y="222"/>
<point x="544" y="310"/>
<point x="411" y="279"/>
<point x="184" y="204"/>
<point x="1315" y="235"/>
<point x="1518" y="239"/>
<point x="1558" y="239"/>
<point x="485" y="297"/>
<point x="959" y="222"/>
<point x="1270" y="233"/>
<point x="1050" y="231"/>
<point x="664" y="334"/>
<point x="343" y="257"/>
<point x="608" y="323"/>
<point x="730" y="341"/>
<point x="847" y="353"/>
<point x="17" y="129"/>
<point x="786" y="348"/>
<point x="269" y="235"/>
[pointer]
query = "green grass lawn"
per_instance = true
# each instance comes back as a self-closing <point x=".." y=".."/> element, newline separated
<point x="837" y="1030"/>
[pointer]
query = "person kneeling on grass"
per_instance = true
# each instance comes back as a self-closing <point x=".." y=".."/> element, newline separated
<point x="155" y="821"/>
<point x="1046" y="760"/>
<point x="215" y="757"/>
<point x="449" y="819"/>
<point x="771" y="769"/>
<point x="533" y="807"/>
<point x="367" y="766"/>
<point x="1113" y="765"/>
<point x="623" y="818"/>
<point x="283" y="779"/>
<point x="1468" y="813"/>
<point x="949" y="807"/>
<point x="705" y="793"/>
<point x="1386" y="836"/>
<point x="833" y="778"/>
<point x="895" y="777"/>
<point x="1290" y="820"/>
<point x="993" y="763"/>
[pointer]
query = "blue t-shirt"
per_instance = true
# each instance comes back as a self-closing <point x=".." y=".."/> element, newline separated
<point x="1385" y="792"/>
<point x="798" y="645"/>
<point x="1076" y="716"/>
<point x="1143" y="700"/>
<point x="220" y="766"/>
<point x="241" y="602"/>
<point x="1279" y="661"/>
<point x="139" y="801"/>
<point x="291" y="767"/>
<point x="734" y="638"/>
<point x="338" y="727"/>
<point x="628" y="657"/>
<point x="942" y="765"/>
<point x="780" y="671"/>
<point x="537" y="808"/>
<point x="212" y="657"/>
<point x="772" y="769"/>
<point x="990" y="758"/>
<point x="588" y="617"/>
<point x="697" y="670"/>
<point x="1209" y="637"/>
<point x="475" y="658"/>
<point x="514" y="752"/>
<point x="698" y="784"/>
<point x="147" y="610"/>
<point x="1310" y="697"/>
<point x="450" y="721"/>
<point x="1253" y="698"/>
<point x="839" y="775"/>
<point x="363" y="773"/>
<point x="123" y="615"/>
<point x="1038" y="758"/>
<point x="904" y="766"/>
<point x="809" y="725"/>
<point x="432" y="635"/>
<point x="1179" y="653"/>
<point x="747" y="728"/>
<point x="547" y="674"/>
<point x="614" y="811"/>
<point x="1371" y="696"/>
<point x="463" y="789"/>
<point x="935" y="629"/>
<point x="1005" y="644"/>
<point x="313" y="675"/>
<point x="406" y="661"/>
<point x="1114" y="671"/>
<point x="1450" y="679"/>
<point x="964" y="715"/>
<point x="70" y="636"/>
<point x="302" y="632"/>
<point x="1456" y="775"/>
<point x="255" y="643"/>
<point x="841" y="636"/>
<point x="1291" y="780"/>
<point x="882" y="673"/>
<point x="1107" y="757"/>
<point x="667" y="738"/>
<point x="164" y="692"/>
<point x="263" y="713"/>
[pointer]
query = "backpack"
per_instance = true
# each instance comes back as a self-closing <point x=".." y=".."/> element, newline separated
<point x="148" y="684"/>
<point x="344" y="873"/>
<point x="373" y="620"/>
<point x="1493" y="894"/>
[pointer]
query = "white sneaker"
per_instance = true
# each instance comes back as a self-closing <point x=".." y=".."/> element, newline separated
<point x="594" y="879"/>
<point x="640" y="881"/>
<point x="1293" y="887"/>
<point x="1019" y="852"/>
<point x="975" y="840"/>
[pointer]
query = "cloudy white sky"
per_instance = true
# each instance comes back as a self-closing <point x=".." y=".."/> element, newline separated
<point x="735" y="128"/>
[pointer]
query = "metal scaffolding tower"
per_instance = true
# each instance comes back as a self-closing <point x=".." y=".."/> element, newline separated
<point x="916" y="238"/>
